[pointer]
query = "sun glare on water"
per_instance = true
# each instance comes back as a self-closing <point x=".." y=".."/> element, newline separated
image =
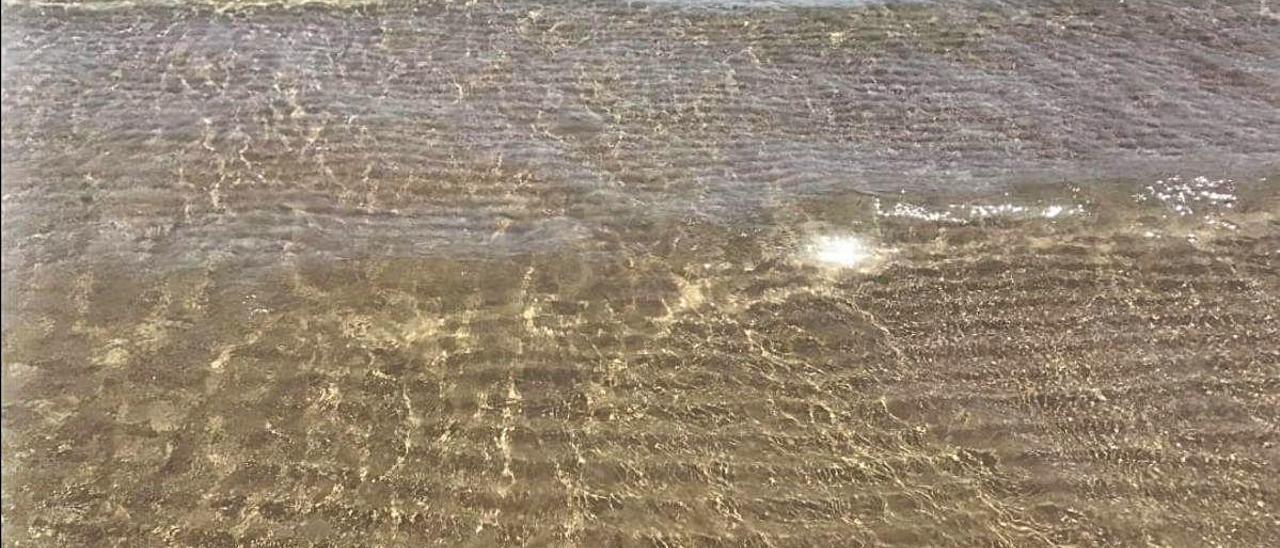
<point x="840" y="251"/>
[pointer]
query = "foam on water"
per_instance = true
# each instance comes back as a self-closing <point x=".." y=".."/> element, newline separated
<point x="749" y="4"/>
<point x="962" y="213"/>
<point x="1200" y="194"/>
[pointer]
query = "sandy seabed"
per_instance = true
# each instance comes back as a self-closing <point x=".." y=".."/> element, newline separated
<point x="950" y="274"/>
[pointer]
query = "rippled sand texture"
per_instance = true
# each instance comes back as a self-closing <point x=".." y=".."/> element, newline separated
<point x="641" y="275"/>
<point x="1098" y="379"/>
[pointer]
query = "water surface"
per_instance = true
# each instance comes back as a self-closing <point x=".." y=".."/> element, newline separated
<point x="640" y="274"/>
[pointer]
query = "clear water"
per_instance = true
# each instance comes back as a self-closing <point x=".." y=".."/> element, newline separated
<point x="621" y="273"/>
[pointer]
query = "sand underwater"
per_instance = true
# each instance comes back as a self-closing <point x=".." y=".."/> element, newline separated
<point x="810" y="273"/>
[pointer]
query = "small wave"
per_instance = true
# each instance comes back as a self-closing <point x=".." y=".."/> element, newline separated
<point x="1186" y="198"/>
<point x="964" y="213"/>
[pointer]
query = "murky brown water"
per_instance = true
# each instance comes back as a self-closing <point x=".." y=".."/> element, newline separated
<point x="641" y="274"/>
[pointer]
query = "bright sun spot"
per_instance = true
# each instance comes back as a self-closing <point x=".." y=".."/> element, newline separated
<point x="840" y="251"/>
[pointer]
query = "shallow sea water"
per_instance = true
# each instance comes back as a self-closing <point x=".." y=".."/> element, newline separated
<point x="634" y="274"/>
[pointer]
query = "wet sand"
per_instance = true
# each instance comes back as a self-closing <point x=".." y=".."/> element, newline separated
<point x="339" y="276"/>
